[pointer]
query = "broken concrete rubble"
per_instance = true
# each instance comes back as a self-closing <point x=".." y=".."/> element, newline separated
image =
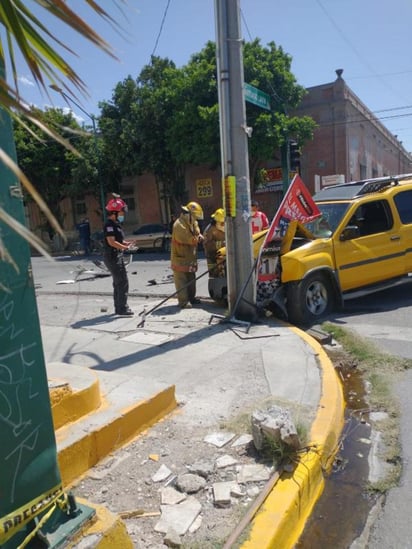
<point x="190" y="483"/>
<point x="275" y="425"/>
<point x="179" y="517"/>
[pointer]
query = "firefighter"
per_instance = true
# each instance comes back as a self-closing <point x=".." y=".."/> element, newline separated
<point x="186" y="237"/>
<point x="114" y="246"/>
<point x="214" y="239"/>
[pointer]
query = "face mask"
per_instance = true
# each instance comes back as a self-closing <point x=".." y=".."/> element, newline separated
<point x="120" y="218"/>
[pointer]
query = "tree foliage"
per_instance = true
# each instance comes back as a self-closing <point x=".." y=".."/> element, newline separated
<point x="168" y="118"/>
<point x="24" y="32"/>
<point x="54" y="170"/>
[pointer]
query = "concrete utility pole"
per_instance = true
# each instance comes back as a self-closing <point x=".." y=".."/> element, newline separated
<point x="235" y="161"/>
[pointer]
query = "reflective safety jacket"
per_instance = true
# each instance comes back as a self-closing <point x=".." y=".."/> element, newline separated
<point x="214" y="239"/>
<point x="185" y="237"/>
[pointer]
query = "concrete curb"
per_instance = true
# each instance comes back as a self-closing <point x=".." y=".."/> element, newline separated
<point x="76" y="455"/>
<point x="70" y="402"/>
<point x="281" y="519"/>
<point x="107" y="531"/>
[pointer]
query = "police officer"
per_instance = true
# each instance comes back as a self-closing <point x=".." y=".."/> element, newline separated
<point x="114" y="246"/>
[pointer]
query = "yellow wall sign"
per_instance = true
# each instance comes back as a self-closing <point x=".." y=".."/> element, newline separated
<point x="204" y="188"/>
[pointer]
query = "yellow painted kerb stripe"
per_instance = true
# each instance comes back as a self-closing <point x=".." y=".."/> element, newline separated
<point x="282" y="517"/>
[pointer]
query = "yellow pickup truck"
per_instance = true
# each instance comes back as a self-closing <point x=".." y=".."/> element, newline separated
<point x="361" y="244"/>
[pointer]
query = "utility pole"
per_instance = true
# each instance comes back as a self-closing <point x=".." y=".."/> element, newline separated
<point x="235" y="164"/>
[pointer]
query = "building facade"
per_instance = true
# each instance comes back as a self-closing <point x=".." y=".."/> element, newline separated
<point x="350" y="143"/>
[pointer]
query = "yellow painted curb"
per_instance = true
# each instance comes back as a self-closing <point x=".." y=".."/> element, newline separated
<point x="108" y="527"/>
<point x="78" y="458"/>
<point x="68" y="406"/>
<point x="282" y="517"/>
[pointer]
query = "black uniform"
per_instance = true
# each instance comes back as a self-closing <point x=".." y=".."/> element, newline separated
<point x="113" y="259"/>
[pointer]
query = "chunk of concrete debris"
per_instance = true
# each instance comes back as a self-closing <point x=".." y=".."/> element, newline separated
<point x="253" y="472"/>
<point x="276" y="425"/>
<point x="253" y="491"/>
<point x="219" y="439"/>
<point x="222" y="492"/>
<point x="225" y="461"/>
<point x="242" y="441"/>
<point x="203" y="467"/>
<point x="172" y="538"/>
<point x="162" y="473"/>
<point x="190" y="483"/>
<point x="179" y="517"/>
<point x="170" y="496"/>
<point x="197" y="523"/>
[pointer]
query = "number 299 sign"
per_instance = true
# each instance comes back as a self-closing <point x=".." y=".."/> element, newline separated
<point x="204" y="188"/>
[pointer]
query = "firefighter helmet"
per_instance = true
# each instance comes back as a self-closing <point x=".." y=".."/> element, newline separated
<point x="219" y="215"/>
<point x="195" y="209"/>
<point x="116" y="205"/>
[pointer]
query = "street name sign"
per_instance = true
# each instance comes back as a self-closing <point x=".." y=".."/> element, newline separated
<point x="257" y="97"/>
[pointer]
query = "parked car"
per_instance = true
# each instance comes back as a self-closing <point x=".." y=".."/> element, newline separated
<point x="153" y="236"/>
<point x="361" y="244"/>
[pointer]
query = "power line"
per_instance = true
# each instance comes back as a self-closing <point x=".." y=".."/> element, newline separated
<point x="352" y="47"/>
<point x="245" y="24"/>
<point x="161" y="27"/>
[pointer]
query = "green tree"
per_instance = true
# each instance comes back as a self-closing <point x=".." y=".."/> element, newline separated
<point x="23" y="31"/>
<point x="169" y="117"/>
<point x="54" y="170"/>
<point x="269" y="69"/>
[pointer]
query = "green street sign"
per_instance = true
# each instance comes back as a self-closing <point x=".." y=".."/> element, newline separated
<point x="257" y="97"/>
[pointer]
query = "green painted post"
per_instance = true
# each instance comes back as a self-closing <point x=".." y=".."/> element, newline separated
<point x="30" y="482"/>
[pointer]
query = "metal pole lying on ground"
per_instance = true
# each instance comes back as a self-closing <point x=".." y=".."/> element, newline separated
<point x="145" y="313"/>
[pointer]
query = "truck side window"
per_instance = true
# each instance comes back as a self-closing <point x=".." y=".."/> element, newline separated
<point x="403" y="203"/>
<point x="376" y="217"/>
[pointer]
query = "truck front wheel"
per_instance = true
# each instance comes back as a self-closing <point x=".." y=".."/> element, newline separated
<point x="310" y="300"/>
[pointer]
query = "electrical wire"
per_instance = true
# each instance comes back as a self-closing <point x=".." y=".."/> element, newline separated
<point x="161" y="27"/>
<point x="355" y="51"/>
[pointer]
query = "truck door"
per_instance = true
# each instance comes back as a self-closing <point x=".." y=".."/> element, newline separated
<point x="376" y="254"/>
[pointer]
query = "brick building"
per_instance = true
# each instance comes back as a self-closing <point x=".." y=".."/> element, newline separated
<point x="349" y="142"/>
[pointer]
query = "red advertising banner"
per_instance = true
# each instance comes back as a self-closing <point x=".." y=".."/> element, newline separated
<point x="296" y="204"/>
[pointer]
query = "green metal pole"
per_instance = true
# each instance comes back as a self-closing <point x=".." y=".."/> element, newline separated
<point x="30" y="482"/>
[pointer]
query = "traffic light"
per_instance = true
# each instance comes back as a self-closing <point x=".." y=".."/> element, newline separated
<point x="294" y="156"/>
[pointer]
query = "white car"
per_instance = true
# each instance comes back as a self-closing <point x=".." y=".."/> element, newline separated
<point x="151" y="236"/>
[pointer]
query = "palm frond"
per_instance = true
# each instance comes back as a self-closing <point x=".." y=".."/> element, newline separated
<point x="37" y="44"/>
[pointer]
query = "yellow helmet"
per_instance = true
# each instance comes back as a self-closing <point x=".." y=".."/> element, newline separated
<point x="195" y="209"/>
<point x="219" y="215"/>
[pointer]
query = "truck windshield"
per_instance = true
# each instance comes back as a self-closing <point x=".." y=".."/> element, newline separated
<point x="325" y="225"/>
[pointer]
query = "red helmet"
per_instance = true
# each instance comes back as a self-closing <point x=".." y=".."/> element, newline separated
<point x="116" y="205"/>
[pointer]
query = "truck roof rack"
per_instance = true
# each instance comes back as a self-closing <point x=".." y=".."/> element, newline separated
<point x="358" y="188"/>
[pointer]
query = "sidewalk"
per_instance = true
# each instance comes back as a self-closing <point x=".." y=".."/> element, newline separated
<point x="210" y="369"/>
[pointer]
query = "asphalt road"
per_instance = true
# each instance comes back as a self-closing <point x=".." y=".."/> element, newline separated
<point x="385" y="318"/>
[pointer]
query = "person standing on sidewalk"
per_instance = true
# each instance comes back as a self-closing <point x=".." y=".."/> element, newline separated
<point x="114" y="246"/>
<point x="84" y="235"/>
<point x="259" y="220"/>
<point x="186" y="237"/>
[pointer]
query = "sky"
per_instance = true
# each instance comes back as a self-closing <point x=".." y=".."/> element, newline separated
<point x="369" y="40"/>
